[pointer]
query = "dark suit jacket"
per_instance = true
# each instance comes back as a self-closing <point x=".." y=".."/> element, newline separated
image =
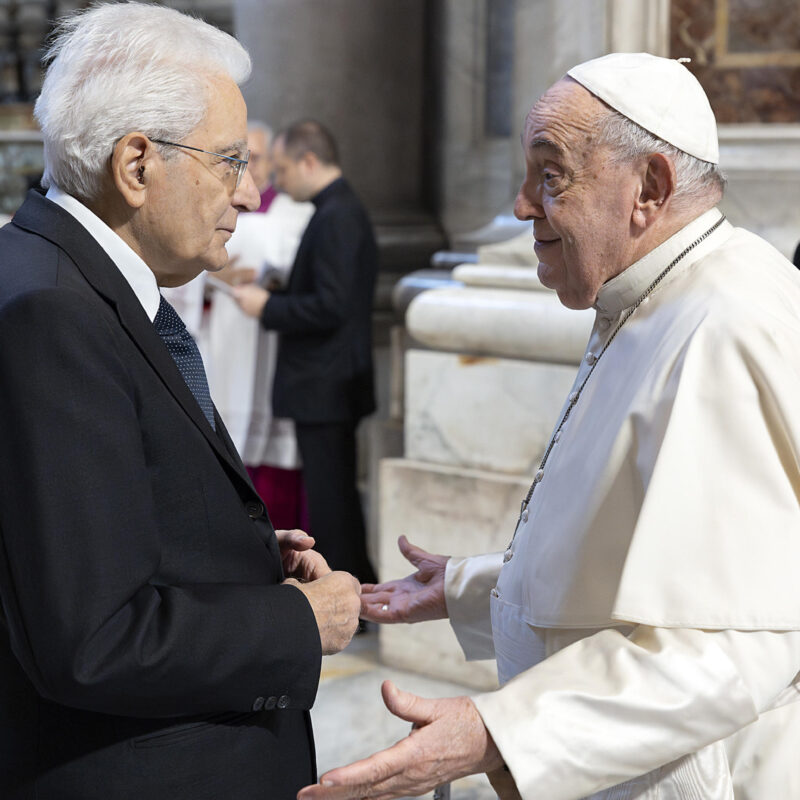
<point x="144" y="633"/>
<point x="324" y="370"/>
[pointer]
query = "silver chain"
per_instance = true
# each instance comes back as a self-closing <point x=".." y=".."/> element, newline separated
<point x="575" y="395"/>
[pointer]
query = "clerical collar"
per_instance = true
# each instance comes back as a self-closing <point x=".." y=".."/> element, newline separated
<point x="332" y="188"/>
<point x="625" y="289"/>
<point x="138" y="275"/>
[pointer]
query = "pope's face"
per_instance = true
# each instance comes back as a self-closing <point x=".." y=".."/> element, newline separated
<point x="193" y="203"/>
<point x="579" y="200"/>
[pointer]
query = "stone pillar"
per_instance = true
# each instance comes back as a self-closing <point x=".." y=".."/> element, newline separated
<point x="480" y="405"/>
<point x="357" y="67"/>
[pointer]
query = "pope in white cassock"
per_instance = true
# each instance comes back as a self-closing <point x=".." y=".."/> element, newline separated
<point x="645" y="617"/>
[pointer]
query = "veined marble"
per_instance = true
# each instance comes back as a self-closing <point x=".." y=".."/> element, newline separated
<point x="500" y="322"/>
<point x="499" y="277"/>
<point x="487" y="413"/>
<point x="450" y="510"/>
<point x="518" y="250"/>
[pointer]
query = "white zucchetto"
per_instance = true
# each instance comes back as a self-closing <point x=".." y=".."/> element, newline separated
<point x="659" y="94"/>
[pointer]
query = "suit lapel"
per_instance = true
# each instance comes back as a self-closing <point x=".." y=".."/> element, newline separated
<point x="48" y="220"/>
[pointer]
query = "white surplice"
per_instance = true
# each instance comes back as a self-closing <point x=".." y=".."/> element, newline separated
<point x="241" y="354"/>
<point x="645" y="621"/>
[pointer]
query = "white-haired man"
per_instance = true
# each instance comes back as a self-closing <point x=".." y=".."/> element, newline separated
<point x="151" y="646"/>
<point x="645" y="615"/>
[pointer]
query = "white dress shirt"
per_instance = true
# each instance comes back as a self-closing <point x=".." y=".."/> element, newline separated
<point x="140" y="277"/>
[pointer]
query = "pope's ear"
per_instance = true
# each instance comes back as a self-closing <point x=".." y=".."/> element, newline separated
<point x="132" y="163"/>
<point x="657" y="188"/>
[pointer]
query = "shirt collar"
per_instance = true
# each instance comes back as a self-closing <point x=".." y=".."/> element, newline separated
<point x="133" y="268"/>
<point x="623" y="290"/>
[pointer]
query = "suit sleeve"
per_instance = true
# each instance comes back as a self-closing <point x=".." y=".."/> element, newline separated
<point x="87" y="619"/>
<point x="336" y="238"/>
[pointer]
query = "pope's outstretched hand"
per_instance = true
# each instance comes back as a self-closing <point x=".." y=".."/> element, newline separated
<point x="415" y="598"/>
<point x="448" y="741"/>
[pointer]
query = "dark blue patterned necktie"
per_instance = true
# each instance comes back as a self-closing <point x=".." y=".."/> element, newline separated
<point x="183" y="349"/>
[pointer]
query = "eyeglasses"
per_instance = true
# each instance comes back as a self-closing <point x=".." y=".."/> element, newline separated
<point x="239" y="164"/>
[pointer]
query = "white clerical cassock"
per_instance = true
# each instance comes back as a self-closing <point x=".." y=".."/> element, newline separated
<point x="645" y="617"/>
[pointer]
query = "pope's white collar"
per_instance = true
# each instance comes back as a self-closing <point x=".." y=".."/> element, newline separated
<point x="625" y="289"/>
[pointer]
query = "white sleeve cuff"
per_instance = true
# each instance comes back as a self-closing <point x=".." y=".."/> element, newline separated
<point x="467" y="582"/>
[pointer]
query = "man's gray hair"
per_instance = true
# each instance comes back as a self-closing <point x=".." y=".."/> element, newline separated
<point x="696" y="179"/>
<point x="258" y="125"/>
<point x="123" y="67"/>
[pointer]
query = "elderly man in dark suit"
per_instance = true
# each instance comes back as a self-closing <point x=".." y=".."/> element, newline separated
<point x="151" y="643"/>
<point x="324" y="376"/>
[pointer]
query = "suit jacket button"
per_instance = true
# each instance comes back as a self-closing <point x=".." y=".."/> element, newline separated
<point x="258" y="704"/>
<point x="270" y="703"/>
<point x="283" y="701"/>
<point x="254" y="510"/>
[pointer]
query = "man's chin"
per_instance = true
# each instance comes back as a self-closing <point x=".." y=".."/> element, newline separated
<point x="547" y="275"/>
<point x="219" y="262"/>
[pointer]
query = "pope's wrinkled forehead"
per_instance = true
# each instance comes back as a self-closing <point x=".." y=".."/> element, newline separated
<point x="567" y="114"/>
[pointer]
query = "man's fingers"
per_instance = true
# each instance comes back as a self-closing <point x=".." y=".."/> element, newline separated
<point x="297" y="539"/>
<point x="406" y="705"/>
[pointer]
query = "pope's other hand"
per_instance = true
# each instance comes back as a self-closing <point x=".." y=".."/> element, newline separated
<point x="448" y="740"/>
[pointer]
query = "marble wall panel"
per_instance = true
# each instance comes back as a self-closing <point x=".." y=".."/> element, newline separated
<point x="762" y="163"/>
<point x="485" y="413"/>
<point x="444" y="510"/>
<point x="745" y="53"/>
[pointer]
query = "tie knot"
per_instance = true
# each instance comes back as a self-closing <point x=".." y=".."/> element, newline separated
<point x="167" y="322"/>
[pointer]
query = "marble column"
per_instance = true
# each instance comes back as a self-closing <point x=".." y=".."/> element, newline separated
<point x="480" y="404"/>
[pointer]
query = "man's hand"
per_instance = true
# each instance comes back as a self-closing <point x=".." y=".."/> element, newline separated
<point x="448" y="740"/>
<point x="334" y="599"/>
<point x="415" y="598"/>
<point x="298" y="559"/>
<point x="251" y="299"/>
<point x="235" y="275"/>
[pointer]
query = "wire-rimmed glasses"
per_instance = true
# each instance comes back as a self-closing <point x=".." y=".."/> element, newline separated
<point x="240" y="164"/>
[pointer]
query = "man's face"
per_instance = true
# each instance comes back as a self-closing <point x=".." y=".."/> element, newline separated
<point x="193" y="204"/>
<point x="260" y="161"/>
<point x="291" y="176"/>
<point x="579" y="200"/>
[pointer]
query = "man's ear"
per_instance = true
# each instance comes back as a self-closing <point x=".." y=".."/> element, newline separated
<point x="656" y="190"/>
<point x="132" y="164"/>
<point x="309" y="161"/>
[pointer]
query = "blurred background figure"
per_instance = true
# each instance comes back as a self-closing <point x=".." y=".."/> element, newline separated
<point x="259" y="139"/>
<point x="241" y="354"/>
<point x="324" y="374"/>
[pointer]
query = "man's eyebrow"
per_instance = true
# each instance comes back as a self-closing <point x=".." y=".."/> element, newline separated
<point x="239" y="146"/>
